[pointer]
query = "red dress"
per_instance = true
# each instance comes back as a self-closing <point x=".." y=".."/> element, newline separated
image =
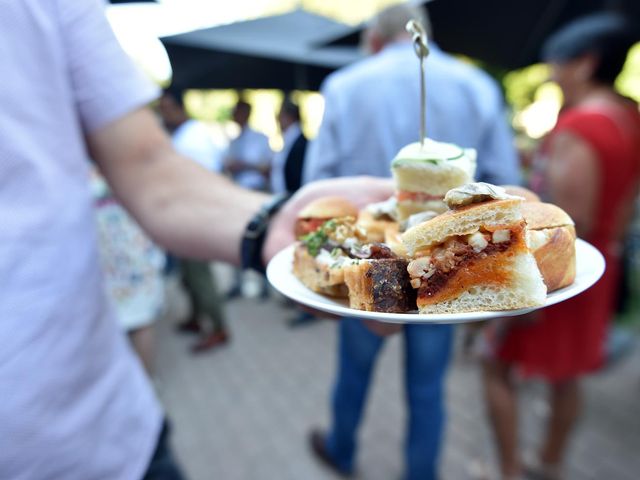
<point x="569" y="338"/>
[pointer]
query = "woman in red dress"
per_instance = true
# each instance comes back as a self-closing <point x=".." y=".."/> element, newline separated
<point x="592" y="169"/>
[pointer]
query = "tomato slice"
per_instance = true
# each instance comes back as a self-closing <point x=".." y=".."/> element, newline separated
<point x="308" y="225"/>
<point x="403" y="196"/>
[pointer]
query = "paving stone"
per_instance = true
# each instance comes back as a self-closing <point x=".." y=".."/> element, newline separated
<point x="243" y="412"/>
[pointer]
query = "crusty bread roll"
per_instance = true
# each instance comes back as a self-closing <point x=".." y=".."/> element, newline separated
<point x="380" y="286"/>
<point x="551" y="236"/>
<point x="540" y="215"/>
<point x="474" y="258"/>
<point x="329" y="207"/>
<point x="519" y="191"/>
<point x="319" y="211"/>
<point x="462" y="221"/>
<point x="318" y="277"/>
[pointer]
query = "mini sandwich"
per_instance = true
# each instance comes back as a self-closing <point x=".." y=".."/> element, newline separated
<point x="337" y="260"/>
<point x="380" y="285"/>
<point x="551" y="237"/>
<point x="425" y="173"/>
<point x="474" y="257"/>
<point x="323" y="227"/>
<point x="321" y="210"/>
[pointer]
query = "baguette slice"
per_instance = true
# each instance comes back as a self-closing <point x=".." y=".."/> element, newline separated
<point x="380" y="286"/>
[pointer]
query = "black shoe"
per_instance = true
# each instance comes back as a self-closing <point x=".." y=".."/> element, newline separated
<point x="319" y="450"/>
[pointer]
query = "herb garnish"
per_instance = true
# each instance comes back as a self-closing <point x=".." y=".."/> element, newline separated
<point x="315" y="240"/>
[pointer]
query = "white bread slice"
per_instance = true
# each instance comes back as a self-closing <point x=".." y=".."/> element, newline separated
<point x="433" y="167"/>
<point x="494" y="214"/>
<point x="434" y="179"/>
<point x="523" y="287"/>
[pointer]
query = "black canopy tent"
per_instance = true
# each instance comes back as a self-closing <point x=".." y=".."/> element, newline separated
<point x="502" y="33"/>
<point x="282" y="51"/>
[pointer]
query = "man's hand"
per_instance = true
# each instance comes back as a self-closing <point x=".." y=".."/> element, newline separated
<point x="359" y="190"/>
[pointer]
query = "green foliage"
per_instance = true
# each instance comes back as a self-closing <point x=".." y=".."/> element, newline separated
<point x="521" y="85"/>
<point x="628" y="82"/>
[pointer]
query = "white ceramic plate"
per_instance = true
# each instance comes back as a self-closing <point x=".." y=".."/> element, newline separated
<point x="589" y="268"/>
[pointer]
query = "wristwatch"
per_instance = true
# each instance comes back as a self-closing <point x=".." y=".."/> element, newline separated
<point x="256" y="231"/>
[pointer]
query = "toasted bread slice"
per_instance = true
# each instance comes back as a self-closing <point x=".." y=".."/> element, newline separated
<point x="318" y="277"/>
<point x="380" y="286"/>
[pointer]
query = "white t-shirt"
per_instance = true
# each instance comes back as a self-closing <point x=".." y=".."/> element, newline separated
<point x="193" y="140"/>
<point x="251" y="147"/>
<point x="75" y="402"/>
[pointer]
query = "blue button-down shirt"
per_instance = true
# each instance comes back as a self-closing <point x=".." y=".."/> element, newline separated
<point x="372" y="109"/>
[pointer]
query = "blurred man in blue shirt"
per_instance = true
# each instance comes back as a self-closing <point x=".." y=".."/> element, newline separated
<point x="372" y="109"/>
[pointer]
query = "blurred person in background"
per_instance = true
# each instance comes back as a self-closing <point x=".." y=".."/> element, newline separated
<point x="591" y="170"/>
<point x="248" y="161"/>
<point x="372" y="110"/>
<point x="132" y="266"/>
<point x="192" y="139"/>
<point x="286" y="171"/>
<point x="76" y="403"/>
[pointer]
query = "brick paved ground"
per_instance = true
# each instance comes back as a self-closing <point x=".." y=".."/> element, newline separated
<point x="243" y="412"/>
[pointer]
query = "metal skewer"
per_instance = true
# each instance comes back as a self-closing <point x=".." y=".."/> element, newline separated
<point x="420" y="46"/>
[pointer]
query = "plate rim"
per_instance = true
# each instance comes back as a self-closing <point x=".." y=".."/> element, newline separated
<point x="334" y="306"/>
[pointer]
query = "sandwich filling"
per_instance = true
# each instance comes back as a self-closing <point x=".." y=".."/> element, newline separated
<point x="406" y="196"/>
<point x="308" y="225"/>
<point x="447" y="270"/>
<point x="340" y="242"/>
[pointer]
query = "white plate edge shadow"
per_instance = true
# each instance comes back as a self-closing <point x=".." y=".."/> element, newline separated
<point x="590" y="266"/>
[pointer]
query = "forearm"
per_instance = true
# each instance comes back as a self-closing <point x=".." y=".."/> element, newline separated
<point x="196" y="213"/>
<point x="184" y="207"/>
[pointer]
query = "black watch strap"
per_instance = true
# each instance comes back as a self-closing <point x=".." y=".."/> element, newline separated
<point x="256" y="231"/>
